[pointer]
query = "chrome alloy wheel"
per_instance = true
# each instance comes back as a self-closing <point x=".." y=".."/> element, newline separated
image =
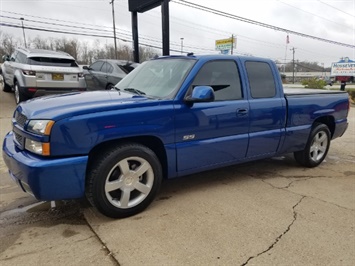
<point x="129" y="182"/>
<point x="319" y="146"/>
<point x="17" y="93"/>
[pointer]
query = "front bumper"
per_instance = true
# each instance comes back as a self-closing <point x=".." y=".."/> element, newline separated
<point x="45" y="178"/>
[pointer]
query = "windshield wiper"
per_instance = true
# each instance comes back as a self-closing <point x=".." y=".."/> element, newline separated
<point x="134" y="91"/>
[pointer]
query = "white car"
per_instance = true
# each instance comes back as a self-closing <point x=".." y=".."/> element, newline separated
<point x="36" y="72"/>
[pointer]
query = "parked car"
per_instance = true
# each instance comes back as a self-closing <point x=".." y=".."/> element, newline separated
<point x="104" y="74"/>
<point x="172" y="116"/>
<point x="36" y="72"/>
<point x="329" y="80"/>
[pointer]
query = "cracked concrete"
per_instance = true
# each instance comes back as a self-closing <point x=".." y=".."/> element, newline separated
<point x="279" y="237"/>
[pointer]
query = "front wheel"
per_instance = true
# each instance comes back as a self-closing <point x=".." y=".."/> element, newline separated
<point x="124" y="181"/>
<point x="317" y="147"/>
<point x="6" y="87"/>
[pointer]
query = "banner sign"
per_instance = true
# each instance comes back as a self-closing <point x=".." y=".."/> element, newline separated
<point x="343" y="69"/>
<point x="226" y="44"/>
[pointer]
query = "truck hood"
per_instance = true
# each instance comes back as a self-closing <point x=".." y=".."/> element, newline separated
<point x="57" y="107"/>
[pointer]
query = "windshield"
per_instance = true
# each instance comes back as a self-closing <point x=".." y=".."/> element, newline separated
<point x="157" y="78"/>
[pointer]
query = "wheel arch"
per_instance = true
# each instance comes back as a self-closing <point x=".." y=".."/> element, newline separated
<point x="328" y="120"/>
<point x="152" y="142"/>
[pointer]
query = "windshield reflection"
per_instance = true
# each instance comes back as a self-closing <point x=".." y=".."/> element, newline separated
<point x="157" y="78"/>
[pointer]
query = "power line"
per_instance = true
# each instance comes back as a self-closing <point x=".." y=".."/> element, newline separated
<point x="314" y="14"/>
<point x="100" y="30"/>
<point x="12" y="25"/>
<point x="257" y="23"/>
<point x="202" y="27"/>
<point x="336" y="8"/>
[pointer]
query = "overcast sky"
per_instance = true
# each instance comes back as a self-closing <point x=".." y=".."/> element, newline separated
<point x="328" y="19"/>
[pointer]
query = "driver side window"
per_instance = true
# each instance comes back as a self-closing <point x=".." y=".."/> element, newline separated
<point x="223" y="77"/>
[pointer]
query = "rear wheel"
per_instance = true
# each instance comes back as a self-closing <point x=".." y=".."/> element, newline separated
<point x="317" y="147"/>
<point x="124" y="181"/>
<point x="19" y="96"/>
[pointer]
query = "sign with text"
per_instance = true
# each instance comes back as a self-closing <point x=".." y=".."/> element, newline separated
<point x="343" y="69"/>
<point x="226" y="44"/>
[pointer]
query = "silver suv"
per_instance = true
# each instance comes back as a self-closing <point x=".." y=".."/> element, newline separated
<point x="35" y="72"/>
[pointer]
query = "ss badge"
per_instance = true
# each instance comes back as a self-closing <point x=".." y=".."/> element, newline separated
<point x="188" y="137"/>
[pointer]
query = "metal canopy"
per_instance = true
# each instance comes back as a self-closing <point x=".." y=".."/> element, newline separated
<point x="141" y="6"/>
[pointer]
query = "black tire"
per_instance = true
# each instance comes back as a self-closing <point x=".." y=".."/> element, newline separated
<point x="113" y="192"/>
<point x="317" y="147"/>
<point x="6" y="87"/>
<point x="19" y="96"/>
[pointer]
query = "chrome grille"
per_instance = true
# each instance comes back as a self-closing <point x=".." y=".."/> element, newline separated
<point x="20" y="119"/>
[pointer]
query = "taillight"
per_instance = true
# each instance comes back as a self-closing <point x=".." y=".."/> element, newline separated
<point x="80" y="75"/>
<point x="29" y="72"/>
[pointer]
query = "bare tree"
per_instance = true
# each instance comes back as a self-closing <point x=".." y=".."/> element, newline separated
<point x="39" y="43"/>
<point x="8" y="44"/>
<point x="124" y="52"/>
<point x="82" y="51"/>
<point x="146" y="53"/>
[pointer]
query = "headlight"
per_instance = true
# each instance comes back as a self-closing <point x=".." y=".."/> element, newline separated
<point x="37" y="147"/>
<point x="42" y="127"/>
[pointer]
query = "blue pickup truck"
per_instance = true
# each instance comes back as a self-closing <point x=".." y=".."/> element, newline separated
<point x="172" y="116"/>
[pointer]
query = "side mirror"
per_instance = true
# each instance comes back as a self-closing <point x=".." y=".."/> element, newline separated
<point x="5" y="58"/>
<point x="201" y="94"/>
<point x="86" y="67"/>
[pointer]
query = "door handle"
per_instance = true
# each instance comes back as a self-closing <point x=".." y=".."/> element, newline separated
<point x="242" y="112"/>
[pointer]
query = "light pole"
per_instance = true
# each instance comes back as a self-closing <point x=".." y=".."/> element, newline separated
<point x="114" y="26"/>
<point x="23" y="30"/>
<point x="182" y="45"/>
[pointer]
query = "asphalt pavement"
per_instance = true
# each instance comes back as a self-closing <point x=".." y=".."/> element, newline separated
<point x="269" y="212"/>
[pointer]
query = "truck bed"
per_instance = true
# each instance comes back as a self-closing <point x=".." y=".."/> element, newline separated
<point x="305" y="91"/>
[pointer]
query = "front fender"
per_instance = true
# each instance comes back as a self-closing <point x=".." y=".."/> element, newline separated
<point x="79" y="135"/>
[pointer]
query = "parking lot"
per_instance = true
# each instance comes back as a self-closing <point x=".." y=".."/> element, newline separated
<point x="270" y="212"/>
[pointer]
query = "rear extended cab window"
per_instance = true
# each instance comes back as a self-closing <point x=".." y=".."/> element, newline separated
<point x="50" y="61"/>
<point x="261" y="80"/>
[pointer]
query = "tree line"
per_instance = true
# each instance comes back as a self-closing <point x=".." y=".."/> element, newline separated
<point x="302" y="66"/>
<point x="85" y="53"/>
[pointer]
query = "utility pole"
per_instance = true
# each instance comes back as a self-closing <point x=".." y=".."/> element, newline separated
<point x="114" y="26"/>
<point x="23" y="30"/>
<point x="293" y="64"/>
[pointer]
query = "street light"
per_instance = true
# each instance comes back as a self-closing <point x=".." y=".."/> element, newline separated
<point x="23" y="30"/>
<point x="182" y="45"/>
